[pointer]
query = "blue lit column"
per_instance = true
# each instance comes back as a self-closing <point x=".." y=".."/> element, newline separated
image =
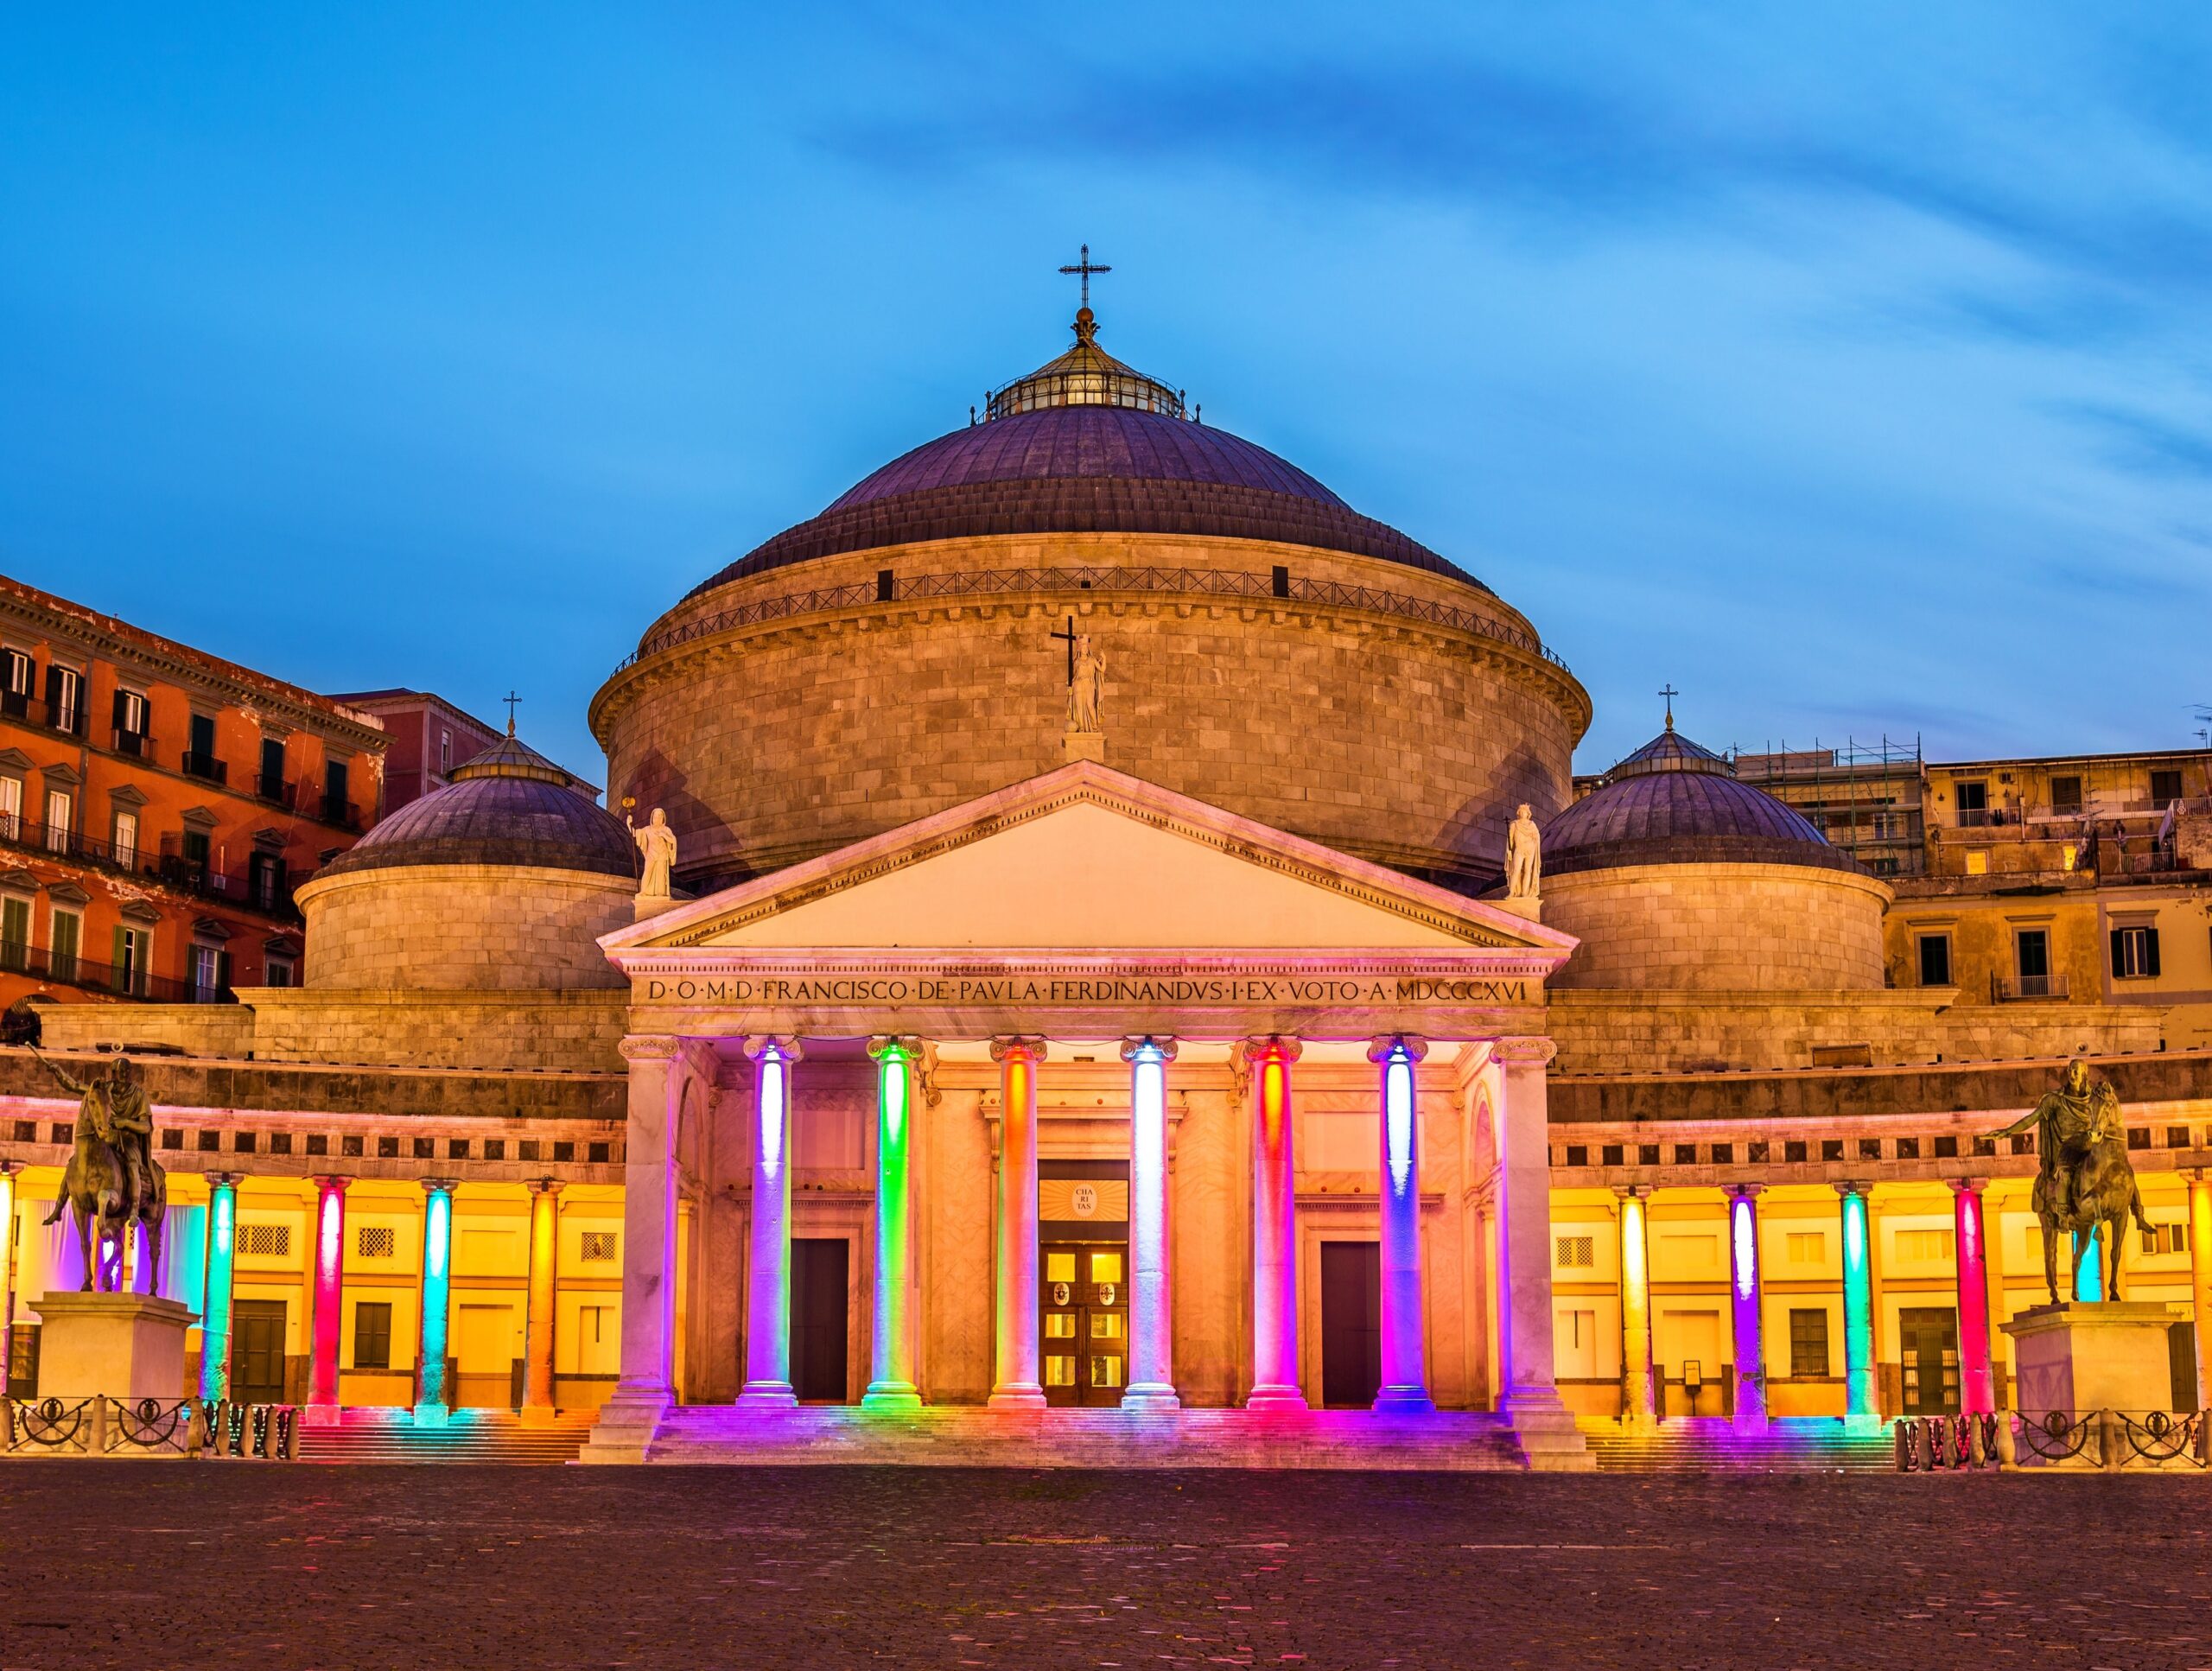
<point x="430" y="1400"/>
<point x="1152" y="1332"/>
<point x="1861" y="1413"/>
<point x="222" y="1260"/>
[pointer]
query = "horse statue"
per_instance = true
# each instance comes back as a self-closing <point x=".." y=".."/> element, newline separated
<point x="112" y="1179"/>
<point x="2084" y="1182"/>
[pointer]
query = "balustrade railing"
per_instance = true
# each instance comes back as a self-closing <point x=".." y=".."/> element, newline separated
<point x="2109" y="1440"/>
<point x="192" y="1427"/>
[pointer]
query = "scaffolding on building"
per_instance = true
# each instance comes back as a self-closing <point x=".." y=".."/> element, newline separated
<point x="1864" y="797"/>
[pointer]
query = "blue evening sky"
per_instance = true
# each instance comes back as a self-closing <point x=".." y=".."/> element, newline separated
<point x="1847" y="366"/>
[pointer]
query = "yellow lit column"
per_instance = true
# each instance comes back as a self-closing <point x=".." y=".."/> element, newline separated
<point x="8" y="1170"/>
<point x="544" y="1259"/>
<point x="2200" y="1271"/>
<point x="1639" y="1393"/>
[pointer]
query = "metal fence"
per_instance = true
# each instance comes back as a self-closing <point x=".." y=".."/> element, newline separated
<point x="98" y="1427"/>
<point x="2107" y="1439"/>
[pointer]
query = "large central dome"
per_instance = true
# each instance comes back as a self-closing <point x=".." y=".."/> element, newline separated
<point x="1267" y="649"/>
<point x="1085" y="445"/>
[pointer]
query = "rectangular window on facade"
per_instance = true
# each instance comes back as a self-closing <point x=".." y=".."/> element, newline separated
<point x="2134" y="952"/>
<point x="376" y="1241"/>
<point x="130" y="720"/>
<point x="2066" y="794"/>
<point x="65" y="699"/>
<point x="16" y="697"/>
<point x="68" y="939"/>
<point x="1929" y="1246"/>
<point x="207" y="973"/>
<point x="1978" y="862"/>
<point x="264" y="1240"/>
<point x="11" y="808"/>
<point x="60" y="819"/>
<point x="264" y="880"/>
<point x="1808" y="1246"/>
<point x="373" y="1334"/>
<point x="2031" y="952"/>
<point x="599" y="1247"/>
<point x="277" y="972"/>
<point x="1934" y="960"/>
<point x="124" y="839"/>
<point x="445" y="751"/>
<point x="269" y="784"/>
<point x="1973" y="803"/>
<point x="14" y="933"/>
<point x="1808" y="1342"/>
<point x="2166" y="787"/>
<point x="132" y="959"/>
<point x="1574" y="1253"/>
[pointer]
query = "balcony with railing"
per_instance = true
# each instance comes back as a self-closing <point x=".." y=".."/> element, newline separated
<point x="197" y="765"/>
<point x="2028" y="988"/>
<point x="135" y="744"/>
<point x="337" y="809"/>
<point x="266" y="890"/>
<point x="67" y="717"/>
<point x="119" y="980"/>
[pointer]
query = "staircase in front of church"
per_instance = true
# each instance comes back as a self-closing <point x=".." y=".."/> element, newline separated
<point x="492" y="1436"/>
<point x="1711" y="1444"/>
<point x="967" y="1437"/>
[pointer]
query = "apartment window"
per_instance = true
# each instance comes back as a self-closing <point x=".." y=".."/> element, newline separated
<point x="2135" y="952"/>
<point x="334" y="787"/>
<point x="2065" y="794"/>
<point x="264" y="880"/>
<point x="2165" y="787"/>
<point x="199" y="850"/>
<point x="278" y="972"/>
<point x="65" y="699"/>
<point x="60" y="819"/>
<point x="1934" y="960"/>
<point x="200" y="758"/>
<point x="373" y="1334"/>
<point x="1974" y="803"/>
<point x="16" y="699"/>
<point x="2032" y="953"/>
<point x="1808" y="1342"/>
<point x="14" y="933"/>
<point x="134" y="956"/>
<point x="11" y="808"/>
<point x="211" y="973"/>
<point x="124" y="840"/>
<point x="68" y="937"/>
<point x="130" y="718"/>
<point x="270" y="785"/>
<point x="445" y="752"/>
<point x="2167" y="1239"/>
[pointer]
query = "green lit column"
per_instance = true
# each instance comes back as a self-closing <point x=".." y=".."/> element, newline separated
<point x="215" y="1320"/>
<point x="431" y="1409"/>
<point x="1860" y="1414"/>
<point x="891" y="1355"/>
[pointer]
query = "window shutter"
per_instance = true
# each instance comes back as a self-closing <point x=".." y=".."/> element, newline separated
<point x="2151" y="951"/>
<point x="222" y="970"/>
<point x="115" y="962"/>
<point x="122" y="709"/>
<point x="2119" y="952"/>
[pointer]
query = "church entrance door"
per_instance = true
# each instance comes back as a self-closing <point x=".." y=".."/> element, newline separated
<point x="1083" y="1326"/>
<point x="1929" y="1338"/>
<point x="257" y="1351"/>
<point x="1352" y="1324"/>
<point x="820" y="1268"/>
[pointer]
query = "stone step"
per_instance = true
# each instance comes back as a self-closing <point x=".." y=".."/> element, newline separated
<point x="1707" y="1444"/>
<point x="477" y="1436"/>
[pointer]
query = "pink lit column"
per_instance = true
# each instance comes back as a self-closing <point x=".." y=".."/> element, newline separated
<point x="1748" y="1296"/>
<point x="1977" y="1389"/>
<point x="1015" y="1386"/>
<point x="642" y="1395"/>
<point x="329" y="1299"/>
<point x="1274" y="1228"/>
<point x="1404" y="1380"/>
<point x="769" y="1277"/>
<point x="1152" y="1320"/>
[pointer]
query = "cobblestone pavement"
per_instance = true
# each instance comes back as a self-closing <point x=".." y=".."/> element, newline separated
<point x="136" y="1563"/>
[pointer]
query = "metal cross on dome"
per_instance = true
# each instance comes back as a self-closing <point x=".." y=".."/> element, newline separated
<point x="1669" y="693"/>
<point x="511" y="699"/>
<point x="1083" y="267"/>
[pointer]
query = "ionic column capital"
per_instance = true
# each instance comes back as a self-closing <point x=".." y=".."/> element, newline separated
<point x="882" y="1043"/>
<point x="214" y="1179"/>
<point x="448" y="1186"/>
<point x="1384" y="1046"/>
<point x="1532" y="1050"/>
<point x="1026" y="1045"/>
<point x="1847" y="1186"/>
<point x="1967" y="1186"/>
<point x="1165" y="1048"/>
<point x="1747" y="1191"/>
<point x="332" y="1183"/>
<point x="546" y="1186"/>
<point x="1275" y="1044"/>
<point x="785" y="1047"/>
<point x="1634" y="1191"/>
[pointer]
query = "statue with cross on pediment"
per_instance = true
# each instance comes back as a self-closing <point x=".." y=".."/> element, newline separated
<point x="1086" y="680"/>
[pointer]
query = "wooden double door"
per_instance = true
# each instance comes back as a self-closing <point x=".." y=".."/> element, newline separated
<point x="1082" y="1302"/>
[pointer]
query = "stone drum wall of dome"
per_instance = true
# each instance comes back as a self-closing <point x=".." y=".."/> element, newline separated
<point x="462" y="928"/>
<point x="1719" y="928"/>
<point x="1266" y="648"/>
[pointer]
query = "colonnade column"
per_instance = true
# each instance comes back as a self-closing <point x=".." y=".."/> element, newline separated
<point x="329" y="1299"/>
<point x="7" y="1171"/>
<point x="893" y="1353"/>
<point x="538" y="1402"/>
<point x="1404" y="1376"/>
<point x="222" y="1263"/>
<point x="642" y="1395"/>
<point x="1015" y="1385"/>
<point x="2200" y="1270"/>
<point x="1151" y="1325"/>
<point x="1861" y="1413"/>
<point x="431" y="1401"/>
<point x="1748" y="1300"/>
<point x="1529" y="1392"/>
<point x="1639" y="1389"/>
<point x="768" y="1273"/>
<point x="1275" y="1227"/>
<point x="1977" y="1391"/>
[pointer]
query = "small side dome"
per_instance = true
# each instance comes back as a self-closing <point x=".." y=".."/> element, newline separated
<point x="1674" y="803"/>
<point x="509" y="805"/>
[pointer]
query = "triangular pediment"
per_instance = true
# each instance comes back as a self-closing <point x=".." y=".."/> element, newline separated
<point x="1086" y="858"/>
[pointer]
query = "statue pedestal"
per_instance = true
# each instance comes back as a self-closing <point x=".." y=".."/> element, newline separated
<point x="120" y="1346"/>
<point x="2095" y="1354"/>
<point x="1083" y="746"/>
<point x="643" y="906"/>
<point x="1529" y="907"/>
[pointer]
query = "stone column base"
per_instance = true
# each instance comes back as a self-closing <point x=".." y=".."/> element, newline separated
<point x="1404" y="1401"/>
<point x="1031" y="1397"/>
<point x="626" y="1427"/>
<point x="891" y="1395"/>
<point x="539" y="1416"/>
<point x="1151" y="1398"/>
<point x="1550" y="1439"/>
<point x="1277" y="1399"/>
<point x="437" y="1415"/>
<point x="767" y="1395"/>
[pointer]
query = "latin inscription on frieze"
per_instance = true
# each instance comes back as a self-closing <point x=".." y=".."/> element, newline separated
<point x="861" y="990"/>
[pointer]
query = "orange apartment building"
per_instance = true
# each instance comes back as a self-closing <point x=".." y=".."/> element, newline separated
<point x="157" y="805"/>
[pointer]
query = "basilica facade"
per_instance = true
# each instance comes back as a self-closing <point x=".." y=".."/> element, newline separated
<point x="1088" y="1006"/>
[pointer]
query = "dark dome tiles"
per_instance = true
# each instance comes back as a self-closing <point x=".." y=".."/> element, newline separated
<point x="496" y="821"/>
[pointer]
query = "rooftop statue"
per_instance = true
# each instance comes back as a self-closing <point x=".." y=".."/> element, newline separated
<point x="1524" y="861"/>
<point x="1087" y="686"/>
<point x="112" y="1179"/>
<point x="657" y="843"/>
<point x="2083" y="1180"/>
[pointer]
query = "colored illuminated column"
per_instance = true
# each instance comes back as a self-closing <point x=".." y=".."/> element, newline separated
<point x="1639" y="1393"/>
<point x="1274" y="1228"/>
<point x="1151" y="1325"/>
<point x="1014" y="1384"/>
<point x="1859" y="1414"/>
<point x="644" y="1393"/>
<point x="431" y="1399"/>
<point x="893" y="1354"/>
<point x="544" y="1271"/>
<point x="2200" y="1270"/>
<point x="1747" y="1298"/>
<point x="2089" y="1265"/>
<point x="329" y="1299"/>
<point x="1977" y="1389"/>
<point x="8" y="1170"/>
<point x="1404" y="1376"/>
<point x="222" y="1262"/>
<point x="768" y="1286"/>
<point x="1529" y="1389"/>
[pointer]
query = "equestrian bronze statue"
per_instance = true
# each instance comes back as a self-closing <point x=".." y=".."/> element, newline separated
<point x="2084" y="1180"/>
<point x="112" y="1179"/>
